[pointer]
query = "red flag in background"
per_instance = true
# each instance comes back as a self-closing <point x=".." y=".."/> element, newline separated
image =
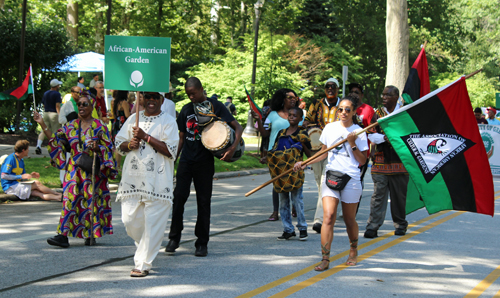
<point x="417" y="85"/>
<point x="253" y="105"/>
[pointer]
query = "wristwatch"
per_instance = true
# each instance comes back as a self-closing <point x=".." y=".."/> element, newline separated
<point x="354" y="148"/>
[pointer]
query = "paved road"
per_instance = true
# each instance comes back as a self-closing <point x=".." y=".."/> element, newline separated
<point x="450" y="254"/>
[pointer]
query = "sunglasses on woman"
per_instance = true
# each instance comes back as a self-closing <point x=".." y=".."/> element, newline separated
<point x="153" y="96"/>
<point x="83" y="104"/>
<point x="347" y="110"/>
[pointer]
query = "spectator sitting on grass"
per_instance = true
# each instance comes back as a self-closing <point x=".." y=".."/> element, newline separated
<point x="14" y="177"/>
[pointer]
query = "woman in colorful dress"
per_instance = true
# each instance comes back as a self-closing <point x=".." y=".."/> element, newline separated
<point x="82" y="138"/>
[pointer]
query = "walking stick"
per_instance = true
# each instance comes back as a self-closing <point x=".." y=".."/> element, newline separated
<point x="91" y="241"/>
<point x="309" y="160"/>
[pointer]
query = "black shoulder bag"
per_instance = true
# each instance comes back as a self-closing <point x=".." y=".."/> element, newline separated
<point x="85" y="161"/>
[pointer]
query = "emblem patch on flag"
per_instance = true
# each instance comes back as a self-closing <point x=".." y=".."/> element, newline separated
<point x="432" y="152"/>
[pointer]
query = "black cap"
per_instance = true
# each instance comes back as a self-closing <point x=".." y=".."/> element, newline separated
<point x="355" y="85"/>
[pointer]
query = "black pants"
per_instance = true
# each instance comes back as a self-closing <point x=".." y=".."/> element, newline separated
<point x="202" y="176"/>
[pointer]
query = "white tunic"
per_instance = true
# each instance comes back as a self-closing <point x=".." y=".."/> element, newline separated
<point x="146" y="173"/>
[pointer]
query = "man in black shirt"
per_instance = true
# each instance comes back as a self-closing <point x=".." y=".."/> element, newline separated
<point x="196" y="165"/>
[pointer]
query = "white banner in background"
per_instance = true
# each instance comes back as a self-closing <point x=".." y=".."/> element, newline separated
<point x="491" y="140"/>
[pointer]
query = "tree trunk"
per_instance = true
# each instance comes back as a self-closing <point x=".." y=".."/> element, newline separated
<point x="243" y="26"/>
<point x="72" y="15"/>
<point x="397" y="37"/>
<point x="160" y="17"/>
<point x="2" y="4"/>
<point x="99" y="36"/>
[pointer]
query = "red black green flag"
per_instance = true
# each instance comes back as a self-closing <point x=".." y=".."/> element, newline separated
<point x="21" y="92"/>
<point x="438" y="142"/>
<point x="253" y="105"/>
<point x="417" y="85"/>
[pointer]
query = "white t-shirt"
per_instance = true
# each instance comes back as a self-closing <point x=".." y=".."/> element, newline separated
<point x="342" y="158"/>
<point x="168" y="107"/>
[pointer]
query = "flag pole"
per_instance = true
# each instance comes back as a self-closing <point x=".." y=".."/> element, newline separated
<point x="309" y="160"/>
<point x="32" y="87"/>
<point x="425" y="43"/>
<point x="473" y="73"/>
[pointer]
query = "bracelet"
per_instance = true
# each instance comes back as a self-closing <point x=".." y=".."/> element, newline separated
<point x="128" y="146"/>
<point x="149" y="138"/>
<point x="46" y="128"/>
<point x="354" y="148"/>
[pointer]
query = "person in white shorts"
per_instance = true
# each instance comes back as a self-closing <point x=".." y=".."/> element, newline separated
<point x="14" y="177"/>
<point x="346" y="159"/>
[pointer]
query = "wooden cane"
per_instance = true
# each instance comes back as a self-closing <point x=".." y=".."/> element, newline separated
<point x="91" y="241"/>
<point x="309" y="160"/>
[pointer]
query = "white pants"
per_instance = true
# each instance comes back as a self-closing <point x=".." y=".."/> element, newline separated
<point x="145" y="221"/>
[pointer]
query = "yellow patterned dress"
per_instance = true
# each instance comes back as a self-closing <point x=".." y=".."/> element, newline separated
<point x="77" y="186"/>
<point x="287" y="150"/>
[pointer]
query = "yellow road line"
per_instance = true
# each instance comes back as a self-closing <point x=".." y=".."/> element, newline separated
<point x="488" y="280"/>
<point x="484" y="284"/>
<point x="294" y="275"/>
<point x="362" y="257"/>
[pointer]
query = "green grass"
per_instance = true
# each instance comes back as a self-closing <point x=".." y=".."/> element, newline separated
<point x="49" y="175"/>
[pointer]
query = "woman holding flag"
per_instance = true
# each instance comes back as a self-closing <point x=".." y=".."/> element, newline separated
<point x="83" y="138"/>
<point x="282" y="101"/>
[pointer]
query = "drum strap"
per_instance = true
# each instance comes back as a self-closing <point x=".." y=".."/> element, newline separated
<point x="205" y="113"/>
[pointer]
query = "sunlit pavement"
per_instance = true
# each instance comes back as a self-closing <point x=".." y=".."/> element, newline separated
<point x="449" y="254"/>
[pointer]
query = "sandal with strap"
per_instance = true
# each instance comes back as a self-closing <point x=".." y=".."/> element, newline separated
<point x="139" y="273"/>
<point x="324" y="265"/>
<point x="353" y="260"/>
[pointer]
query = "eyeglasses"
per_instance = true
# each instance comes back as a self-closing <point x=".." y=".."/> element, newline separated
<point x="291" y="97"/>
<point x="386" y="95"/>
<point x="356" y="92"/>
<point x="75" y="92"/>
<point x="331" y="86"/>
<point x="347" y="110"/>
<point x="83" y="104"/>
<point x="153" y="96"/>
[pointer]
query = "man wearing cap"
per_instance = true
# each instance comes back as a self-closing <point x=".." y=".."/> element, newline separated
<point x="320" y="113"/>
<point x="51" y="101"/>
<point x="491" y="116"/>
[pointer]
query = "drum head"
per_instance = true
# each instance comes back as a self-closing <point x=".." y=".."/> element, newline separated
<point x="314" y="134"/>
<point x="216" y="135"/>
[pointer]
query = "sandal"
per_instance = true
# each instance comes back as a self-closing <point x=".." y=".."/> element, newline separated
<point x="274" y="216"/>
<point x="324" y="265"/>
<point x="139" y="273"/>
<point x="353" y="260"/>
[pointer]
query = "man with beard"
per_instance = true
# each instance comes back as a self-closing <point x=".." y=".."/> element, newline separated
<point x="388" y="174"/>
<point x="146" y="186"/>
<point x="320" y="113"/>
<point x="196" y="165"/>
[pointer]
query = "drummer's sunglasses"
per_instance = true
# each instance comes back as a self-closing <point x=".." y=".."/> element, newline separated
<point x="83" y="104"/>
<point x="347" y="110"/>
<point x="154" y="96"/>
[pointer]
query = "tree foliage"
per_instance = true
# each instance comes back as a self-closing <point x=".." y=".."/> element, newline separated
<point x="46" y="47"/>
